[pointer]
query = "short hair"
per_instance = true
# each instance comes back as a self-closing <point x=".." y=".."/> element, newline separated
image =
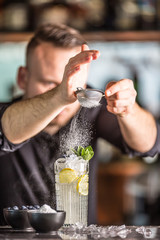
<point x="57" y="34"/>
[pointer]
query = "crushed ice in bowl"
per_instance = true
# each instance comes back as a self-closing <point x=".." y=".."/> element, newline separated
<point x="46" y="209"/>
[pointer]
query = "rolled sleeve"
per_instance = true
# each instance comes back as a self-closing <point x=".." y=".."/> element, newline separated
<point x="5" y="144"/>
<point x="152" y="152"/>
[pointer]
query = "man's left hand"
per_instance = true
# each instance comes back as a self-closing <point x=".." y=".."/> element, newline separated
<point x="121" y="97"/>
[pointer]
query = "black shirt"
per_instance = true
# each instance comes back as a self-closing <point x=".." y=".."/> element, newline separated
<point x="27" y="169"/>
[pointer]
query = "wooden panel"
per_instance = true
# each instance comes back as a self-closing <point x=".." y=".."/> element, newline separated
<point x="93" y="36"/>
<point x="113" y="202"/>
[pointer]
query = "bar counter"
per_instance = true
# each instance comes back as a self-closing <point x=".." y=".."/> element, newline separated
<point x="151" y="232"/>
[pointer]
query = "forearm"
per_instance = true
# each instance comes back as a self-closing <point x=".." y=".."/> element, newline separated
<point x="24" y="119"/>
<point x="138" y="129"/>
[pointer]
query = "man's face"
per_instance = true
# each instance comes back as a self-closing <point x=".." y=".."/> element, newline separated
<point x="45" y="71"/>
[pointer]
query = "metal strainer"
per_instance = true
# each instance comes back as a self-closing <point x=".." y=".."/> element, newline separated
<point x="89" y="97"/>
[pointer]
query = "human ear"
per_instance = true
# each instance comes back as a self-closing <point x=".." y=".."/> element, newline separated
<point x="22" y="77"/>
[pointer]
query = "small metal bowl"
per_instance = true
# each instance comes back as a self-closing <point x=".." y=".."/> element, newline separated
<point x="89" y="97"/>
<point x="17" y="219"/>
<point x="46" y="222"/>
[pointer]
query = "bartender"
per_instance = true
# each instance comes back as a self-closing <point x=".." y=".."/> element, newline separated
<point x="31" y="126"/>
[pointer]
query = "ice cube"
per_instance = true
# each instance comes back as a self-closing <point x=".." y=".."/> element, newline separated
<point x="46" y="209"/>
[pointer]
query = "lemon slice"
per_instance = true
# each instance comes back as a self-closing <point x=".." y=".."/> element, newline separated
<point x="67" y="175"/>
<point x="82" y="185"/>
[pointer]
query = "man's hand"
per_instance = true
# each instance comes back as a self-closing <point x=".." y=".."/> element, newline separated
<point x="138" y="126"/>
<point x="120" y="97"/>
<point x="76" y="72"/>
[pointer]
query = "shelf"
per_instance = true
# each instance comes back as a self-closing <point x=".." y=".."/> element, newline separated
<point x="93" y="36"/>
<point x="123" y="36"/>
<point x="15" y="37"/>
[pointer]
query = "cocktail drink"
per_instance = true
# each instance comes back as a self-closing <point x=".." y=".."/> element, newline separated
<point x="71" y="177"/>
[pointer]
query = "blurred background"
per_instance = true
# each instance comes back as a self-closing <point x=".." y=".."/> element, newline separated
<point x="126" y="32"/>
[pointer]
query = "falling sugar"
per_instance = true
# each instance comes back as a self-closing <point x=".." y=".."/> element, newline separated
<point x="78" y="134"/>
<point x="89" y="103"/>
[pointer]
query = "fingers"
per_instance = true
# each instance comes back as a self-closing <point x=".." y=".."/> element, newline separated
<point x="71" y="71"/>
<point x="118" y="86"/>
<point x="84" y="47"/>
<point x="122" y="111"/>
<point x="123" y="95"/>
<point x="84" y="57"/>
<point x="110" y="84"/>
<point x="118" y="103"/>
<point x="75" y="63"/>
<point x="120" y="96"/>
<point x="76" y="71"/>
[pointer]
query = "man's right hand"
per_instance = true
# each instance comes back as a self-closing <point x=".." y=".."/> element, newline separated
<point x="75" y="74"/>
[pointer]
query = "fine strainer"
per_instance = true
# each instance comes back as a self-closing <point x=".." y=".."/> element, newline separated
<point x="89" y="97"/>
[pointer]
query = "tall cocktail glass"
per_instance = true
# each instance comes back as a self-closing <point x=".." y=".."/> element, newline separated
<point x="71" y="178"/>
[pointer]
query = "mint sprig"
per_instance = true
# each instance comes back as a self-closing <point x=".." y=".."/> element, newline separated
<point x="86" y="153"/>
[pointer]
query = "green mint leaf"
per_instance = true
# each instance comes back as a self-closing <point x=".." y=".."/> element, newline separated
<point x="73" y="150"/>
<point x="86" y="153"/>
<point x="79" y="150"/>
